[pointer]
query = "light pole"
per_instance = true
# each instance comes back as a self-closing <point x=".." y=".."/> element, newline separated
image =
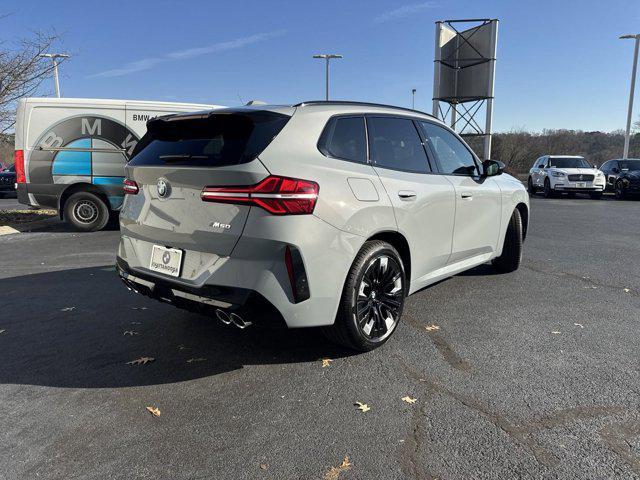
<point x="327" y="57"/>
<point x="54" y="58"/>
<point x="627" y="135"/>
<point x="413" y="99"/>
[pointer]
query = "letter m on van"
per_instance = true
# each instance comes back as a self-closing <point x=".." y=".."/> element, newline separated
<point x="89" y="129"/>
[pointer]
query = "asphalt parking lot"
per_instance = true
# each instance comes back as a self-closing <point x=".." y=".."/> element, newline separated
<point x="527" y="375"/>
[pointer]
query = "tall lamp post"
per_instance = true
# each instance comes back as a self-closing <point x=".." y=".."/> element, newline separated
<point x="627" y="135"/>
<point x="327" y="57"/>
<point x="54" y="58"/>
<point x="413" y="98"/>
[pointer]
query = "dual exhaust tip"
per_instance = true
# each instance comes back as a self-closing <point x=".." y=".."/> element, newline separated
<point x="231" y="318"/>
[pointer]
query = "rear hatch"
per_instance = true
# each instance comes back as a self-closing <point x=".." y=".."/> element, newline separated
<point x="177" y="158"/>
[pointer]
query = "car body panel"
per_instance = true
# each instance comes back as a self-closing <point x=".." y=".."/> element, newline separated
<point x="356" y="201"/>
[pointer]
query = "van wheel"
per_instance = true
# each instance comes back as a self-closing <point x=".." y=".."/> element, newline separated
<point x="511" y="256"/>
<point x="372" y="299"/>
<point x="86" y="212"/>
<point x="620" y="191"/>
<point x="530" y="187"/>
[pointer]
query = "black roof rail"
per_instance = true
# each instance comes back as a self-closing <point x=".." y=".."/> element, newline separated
<point x="368" y="104"/>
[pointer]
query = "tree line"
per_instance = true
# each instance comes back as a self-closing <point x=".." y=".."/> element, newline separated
<point x="518" y="149"/>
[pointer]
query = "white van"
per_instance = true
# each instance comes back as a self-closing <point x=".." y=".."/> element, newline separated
<point x="71" y="153"/>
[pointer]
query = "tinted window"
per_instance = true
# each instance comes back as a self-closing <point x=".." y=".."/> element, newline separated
<point x="344" y="138"/>
<point x="395" y="143"/>
<point x="455" y="158"/>
<point x="209" y="141"/>
<point x="631" y="165"/>
<point x="568" y="162"/>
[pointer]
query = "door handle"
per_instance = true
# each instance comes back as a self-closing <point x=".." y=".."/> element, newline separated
<point x="407" y="194"/>
<point x="467" y="196"/>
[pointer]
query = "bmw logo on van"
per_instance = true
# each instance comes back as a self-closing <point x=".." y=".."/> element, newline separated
<point x="87" y="148"/>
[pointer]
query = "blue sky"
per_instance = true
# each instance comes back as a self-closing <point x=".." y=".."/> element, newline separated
<point x="560" y="63"/>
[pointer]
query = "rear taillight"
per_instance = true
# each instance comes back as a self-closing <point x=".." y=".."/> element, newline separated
<point x="277" y="195"/>
<point x="130" y="187"/>
<point x="18" y="161"/>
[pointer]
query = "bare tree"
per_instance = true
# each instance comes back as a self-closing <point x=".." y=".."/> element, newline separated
<point x="22" y="71"/>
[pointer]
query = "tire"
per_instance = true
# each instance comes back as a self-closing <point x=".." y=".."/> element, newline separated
<point x="596" y="196"/>
<point x="374" y="288"/>
<point x="511" y="256"/>
<point x="86" y="212"/>
<point x="548" y="191"/>
<point x="620" y="191"/>
<point x="532" y="190"/>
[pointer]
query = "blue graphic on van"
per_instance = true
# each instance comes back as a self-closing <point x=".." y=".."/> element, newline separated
<point x="114" y="200"/>
<point x="72" y="162"/>
<point x="84" y="149"/>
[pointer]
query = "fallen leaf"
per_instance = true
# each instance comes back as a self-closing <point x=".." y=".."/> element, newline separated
<point x="579" y="325"/>
<point x="194" y="360"/>
<point x="555" y="332"/>
<point x="130" y="332"/>
<point x="363" y="407"/>
<point x="263" y="466"/>
<point x="334" y="472"/>
<point x="141" y="361"/>
<point x="627" y="290"/>
<point x="67" y="309"/>
<point x="2" y="331"/>
<point x="594" y="286"/>
<point x="182" y="347"/>
<point x="326" y="362"/>
<point x="431" y="328"/>
<point x="410" y="400"/>
<point x="138" y="308"/>
<point x="136" y="323"/>
<point x="155" y="411"/>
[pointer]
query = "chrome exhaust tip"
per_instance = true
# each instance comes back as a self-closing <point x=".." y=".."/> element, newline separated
<point x="223" y="316"/>
<point x="238" y="321"/>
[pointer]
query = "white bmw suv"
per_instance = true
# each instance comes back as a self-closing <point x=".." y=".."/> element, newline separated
<point x="321" y="214"/>
<point x="555" y="174"/>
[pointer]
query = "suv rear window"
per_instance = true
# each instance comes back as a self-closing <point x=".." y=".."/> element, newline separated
<point x="344" y="138"/>
<point x="214" y="140"/>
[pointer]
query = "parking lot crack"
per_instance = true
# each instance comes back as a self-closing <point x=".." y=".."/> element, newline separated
<point x="520" y="437"/>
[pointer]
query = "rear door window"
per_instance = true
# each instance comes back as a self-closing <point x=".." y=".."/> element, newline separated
<point x="394" y="143"/>
<point x="344" y="138"/>
<point x="213" y="140"/>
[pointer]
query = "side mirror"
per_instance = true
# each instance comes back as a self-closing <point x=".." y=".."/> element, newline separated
<point x="491" y="168"/>
<point x="541" y="166"/>
<point x="615" y="170"/>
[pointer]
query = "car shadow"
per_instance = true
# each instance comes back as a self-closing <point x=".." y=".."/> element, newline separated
<point x="80" y="328"/>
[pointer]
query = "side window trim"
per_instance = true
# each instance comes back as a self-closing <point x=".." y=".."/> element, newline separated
<point x="434" y="167"/>
<point x="475" y="159"/>
<point x="331" y="123"/>
<point x="413" y="121"/>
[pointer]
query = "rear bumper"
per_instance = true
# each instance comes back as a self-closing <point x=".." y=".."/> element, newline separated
<point x="205" y="299"/>
<point x="256" y="264"/>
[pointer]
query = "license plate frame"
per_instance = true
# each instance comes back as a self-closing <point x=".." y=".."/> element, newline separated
<point x="166" y="260"/>
<point x="581" y="184"/>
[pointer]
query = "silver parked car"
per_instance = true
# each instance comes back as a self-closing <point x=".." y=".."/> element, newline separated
<point x="321" y="214"/>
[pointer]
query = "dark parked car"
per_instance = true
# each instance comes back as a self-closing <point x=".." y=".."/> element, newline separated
<point x="8" y="181"/>
<point x="623" y="176"/>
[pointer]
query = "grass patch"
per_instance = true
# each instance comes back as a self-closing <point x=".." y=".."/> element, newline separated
<point x="16" y="217"/>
